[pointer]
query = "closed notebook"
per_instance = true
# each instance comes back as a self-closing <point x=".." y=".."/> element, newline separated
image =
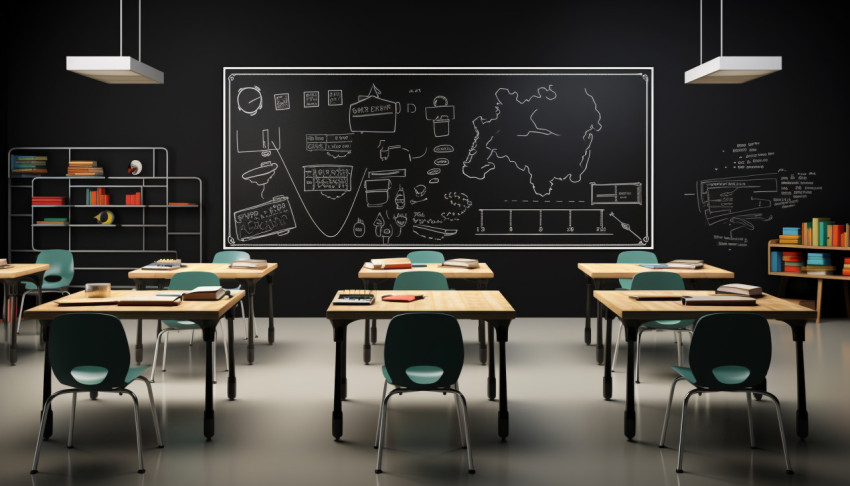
<point x="402" y="298"/>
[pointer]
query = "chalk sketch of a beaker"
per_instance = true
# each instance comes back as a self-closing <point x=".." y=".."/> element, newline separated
<point x="377" y="192"/>
<point x="261" y="175"/>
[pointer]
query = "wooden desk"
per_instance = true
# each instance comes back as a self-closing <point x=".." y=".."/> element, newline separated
<point x="247" y="277"/>
<point x="634" y="313"/>
<point x="12" y="277"/>
<point x="597" y="273"/>
<point x="206" y="313"/>
<point x="488" y="305"/>
<point x="371" y="278"/>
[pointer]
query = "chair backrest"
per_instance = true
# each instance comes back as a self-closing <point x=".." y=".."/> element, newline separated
<point x="730" y="351"/>
<point x="190" y="280"/>
<point x="634" y="256"/>
<point x="421" y="280"/>
<point x="88" y="339"/>
<point x="658" y="280"/>
<point x="61" y="270"/>
<point x="423" y="339"/>
<point x="426" y="256"/>
<point x="230" y="256"/>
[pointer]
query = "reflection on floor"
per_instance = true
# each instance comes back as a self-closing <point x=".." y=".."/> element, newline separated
<point x="278" y="429"/>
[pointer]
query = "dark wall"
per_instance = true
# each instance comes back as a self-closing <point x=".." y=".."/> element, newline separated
<point x="799" y="114"/>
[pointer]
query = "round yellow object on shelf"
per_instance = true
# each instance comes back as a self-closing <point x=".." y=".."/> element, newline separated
<point x="105" y="217"/>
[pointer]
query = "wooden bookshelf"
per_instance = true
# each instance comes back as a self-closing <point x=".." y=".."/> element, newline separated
<point x="838" y="252"/>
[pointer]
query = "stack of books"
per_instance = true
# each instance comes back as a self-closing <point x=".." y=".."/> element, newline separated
<point x="48" y="200"/>
<point x="250" y="263"/>
<point x="819" y="264"/>
<point x="134" y="199"/>
<point x="461" y="262"/>
<point x="83" y="168"/>
<point x="54" y="221"/>
<point x="790" y="236"/>
<point x="28" y="165"/>
<point x="388" y="263"/>
<point x="740" y="289"/>
<point x="825" y="232"/>
<point x="792" y="261"/>
<point x="97" y="197"/>
<point x="846" y="269"/>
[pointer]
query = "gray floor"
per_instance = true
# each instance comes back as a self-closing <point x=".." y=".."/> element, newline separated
<point x="278" y="429"/>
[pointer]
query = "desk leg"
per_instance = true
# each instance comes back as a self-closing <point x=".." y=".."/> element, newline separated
<point x="270" y="282"/>
<point x="491" y="367"/>
<point x="481" y="284"/>
<point x="600" y="347"/>
<point x="630" y="419"/>
<point x="798" y="331"/>
<point x="209" y="413"/>
<point x="587" y="306"/>
<point x="11" y="291"/>
<point x="607" y="381"/>
<point x="339" y="329"/>
<point x="231" y="360"/>
<point x="818" y="299"/>
<point x="367" y="346"/>
<point x="502" y="336"/>
<point x="140" y="285"/>
<point x="250" y="287"/>
<point x="47" y="383"/>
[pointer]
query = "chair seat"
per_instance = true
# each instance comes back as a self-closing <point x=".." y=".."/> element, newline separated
<point x="89" y="375"/>
<point x="135" y="372"/>
<point x="686" y="373"/>
<point x="421" y="375"/>
<point x="668" y="324"/>
<point x="46" y="285"/>
<point x="181" y="324"/>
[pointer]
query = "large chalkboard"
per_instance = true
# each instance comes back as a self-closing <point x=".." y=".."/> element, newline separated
<point x="456" y="158"/>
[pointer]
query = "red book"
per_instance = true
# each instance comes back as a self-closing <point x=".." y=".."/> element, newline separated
<point x="402" y="298"/>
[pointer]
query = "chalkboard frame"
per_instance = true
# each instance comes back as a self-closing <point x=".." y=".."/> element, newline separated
<point x="645" y="191"/>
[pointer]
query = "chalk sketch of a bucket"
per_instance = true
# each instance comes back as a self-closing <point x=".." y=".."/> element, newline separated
<point x="373" y="114"/>
<point x="273" y="217"/>
<point x="377" y="192"/>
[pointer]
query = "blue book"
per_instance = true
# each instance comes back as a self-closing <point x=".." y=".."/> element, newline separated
<point x="791" y="230"/>
<point x="775" y="261"/>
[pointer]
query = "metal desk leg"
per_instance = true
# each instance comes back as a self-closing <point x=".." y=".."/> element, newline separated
<point x="481" y="284"/>
<point x="798" y="331"/>
<point x="367" y="346"/>
<point x="607" y="381"/>
<point x="600" y="348"/>
<point x="209" y="413"/>
<point x="270" y="283"/>
<point x="140" y="285"/>
<point x="250" y="287"/>
<point x="587" y="307"/>
<point x="47" y="383"/>
<point x="339" y="329"/>
<point x="231" y="360"/>
<point x="502" y="336"/>
<point x="630" y="417"/>
<point x="491" y="377"/>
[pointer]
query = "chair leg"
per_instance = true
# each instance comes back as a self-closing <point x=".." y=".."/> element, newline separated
<point x="226" y="352"/>
<point x="153" y="411"/>
<point x="616" y="346"/>
<point x="637" y="354"/>
<point x="781" y="429"/>
<point x="678" y="340"/>
<point x="461" y="420"/>
<point x="667" y="411"/>
<point x="750" y="420"/>
<point x="682" y="429"/>
<point x="21" y="310"/>
<point x="71" y="422"/>
<point x="40" y="437"/>
<point x="469" y="462"/>
<point x="138" y="429"/>
<point x="382" y="431"/>
<point x="164" y="351"/>
<point x="156" y="352"/>
<point x="380" y="415"/>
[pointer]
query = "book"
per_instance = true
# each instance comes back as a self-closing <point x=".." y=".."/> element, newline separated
<point x="461" y="262"/>
<point x="149" y="299"/>
<point x="249" y="263"/>
<point x="739" y="289"/>
<point x="87" y="301"/>
<point x="163" y="265"/>
<point x="721" y="300"/>
<point x="388" y="263"/>
<point x="354" y="299"/>
<point x="402" y="297"/>
<point x="680" y="263"/>
<point x="656" y="266"/>
<point x="205" y="292"/>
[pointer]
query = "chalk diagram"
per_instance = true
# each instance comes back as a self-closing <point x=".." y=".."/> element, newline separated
<point x="737" y="202"/>
<point x="249" y="100"/>
<point x="465" y="158"/>
<point x="496" y="140"/>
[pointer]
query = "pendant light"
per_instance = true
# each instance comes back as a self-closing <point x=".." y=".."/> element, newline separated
<point x="118" y="69"/>
<point x="730" y="69"/>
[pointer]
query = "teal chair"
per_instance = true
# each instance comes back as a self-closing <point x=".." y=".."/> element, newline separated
<point x="421" y="280"/>
<point x="57" y="278"/>
<point x="88" y="352"/>
<point x="730" y="352"/>
<point x="657" y="280"/>
<point x="186" y="281"/>
<point x="423" y="352"/>
<point x="634" y="256"/>
<point x="230" y="256"/>
<point x="426" y="256"/>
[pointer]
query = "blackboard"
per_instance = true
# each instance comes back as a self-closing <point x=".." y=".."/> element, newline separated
<point x="455" y="158"/>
